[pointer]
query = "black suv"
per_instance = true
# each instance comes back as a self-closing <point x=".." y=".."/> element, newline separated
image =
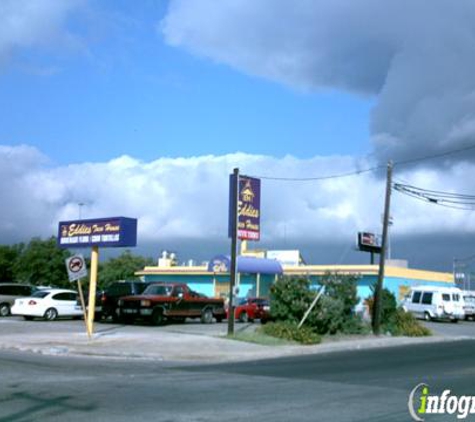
<point x="109" y="298"/>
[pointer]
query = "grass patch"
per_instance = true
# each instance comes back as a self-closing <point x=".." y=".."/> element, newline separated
<point x="290" y="331"/>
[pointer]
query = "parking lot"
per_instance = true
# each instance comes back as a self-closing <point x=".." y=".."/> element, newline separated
<point x="67" y="326"/>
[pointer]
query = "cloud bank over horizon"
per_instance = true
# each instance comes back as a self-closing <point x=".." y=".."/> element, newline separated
<point x="415" y="59"/>
<point x="187" y="198"/>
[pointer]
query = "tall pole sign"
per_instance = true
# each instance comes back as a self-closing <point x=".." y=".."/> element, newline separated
<point x="244" y="224"/>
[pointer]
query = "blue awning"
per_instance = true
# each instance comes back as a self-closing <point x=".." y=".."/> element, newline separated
<point x="245" y="264"/>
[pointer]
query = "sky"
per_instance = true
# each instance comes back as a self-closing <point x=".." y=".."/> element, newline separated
<point x="143" y="109"/>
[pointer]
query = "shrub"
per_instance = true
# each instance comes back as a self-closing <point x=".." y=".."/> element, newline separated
<point x="290" y="331"/>
<point x="290" y="298"/>
<point x="405" y="324"/>
<point x="388" y="305"/>
<point x="334" y="312"/>
<point x="356" y="325"/>
<point x="328" y="316"/>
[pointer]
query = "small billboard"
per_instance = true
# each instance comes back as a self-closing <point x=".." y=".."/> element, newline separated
<point x="104" y="232"/>
<point x="369" y="242"/>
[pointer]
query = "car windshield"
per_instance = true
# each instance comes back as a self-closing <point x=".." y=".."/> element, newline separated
<point x="469" y="299"/>
<point x="40" y="294"/>
<point x="159" y="290"/>
<point x="242" y="301"/>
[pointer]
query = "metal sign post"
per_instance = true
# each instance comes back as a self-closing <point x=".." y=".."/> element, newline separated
<point x="77" y="269"/>
<point x="233" y="215"/>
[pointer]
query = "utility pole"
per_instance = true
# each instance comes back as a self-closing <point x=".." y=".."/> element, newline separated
<point x="234" y="244"/>
<point x="376" y="322"/>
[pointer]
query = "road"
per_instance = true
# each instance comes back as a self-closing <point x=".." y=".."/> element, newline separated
<point x="370" y="385"/>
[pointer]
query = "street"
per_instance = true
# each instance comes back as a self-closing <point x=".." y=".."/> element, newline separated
<point x="361" y="385"/>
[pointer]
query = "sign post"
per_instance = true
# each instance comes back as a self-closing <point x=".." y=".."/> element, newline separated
<point x="233" y="227"/>
<point x="92" y="289"/>
<point x="83" y="305"/>
<point x="76" y="266"/>
<point x="94" y="233"/>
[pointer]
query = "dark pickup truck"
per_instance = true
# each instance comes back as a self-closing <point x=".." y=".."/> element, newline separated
<point x="162" y="302"/>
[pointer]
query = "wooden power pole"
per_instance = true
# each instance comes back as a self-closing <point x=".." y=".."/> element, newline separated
<point x="376" y="321"/>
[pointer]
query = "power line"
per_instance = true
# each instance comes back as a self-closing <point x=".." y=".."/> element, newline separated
<point x="311" y="179"/>
<point x="445" y="199"/>
<point x="367" y="170"/>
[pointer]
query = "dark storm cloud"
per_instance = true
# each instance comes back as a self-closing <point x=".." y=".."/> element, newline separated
<point x="417" y="58"/>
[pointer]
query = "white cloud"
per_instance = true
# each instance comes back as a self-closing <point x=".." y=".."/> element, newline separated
<point x="187" y="198"/>
<point x="26" y="24"/>
<point x="416" y="57"/>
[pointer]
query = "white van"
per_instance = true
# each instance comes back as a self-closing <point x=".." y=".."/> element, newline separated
<point x="434" y="302"/>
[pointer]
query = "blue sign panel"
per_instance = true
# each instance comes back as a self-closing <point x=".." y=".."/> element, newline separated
<point x="248" y="208"/>
<point x="104" y="232"/>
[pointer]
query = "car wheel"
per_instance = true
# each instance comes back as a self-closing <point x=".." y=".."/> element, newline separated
<point x="51" y="314"/>
<point x="27" y="318"/>
<point x="219" y="319"/>
<point x="157" y="317"/>
<point x="207" y="316"/>
<point x="4" y="309"/>
<point x="427" y="316"/>
<point x="244" y="317"/>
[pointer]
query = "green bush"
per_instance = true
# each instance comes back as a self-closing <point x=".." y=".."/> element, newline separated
<point x="405" y="324"/>
<point x="290" y="298"/>
<point x="388" y="305"/>
<point x="356" y="325"/>
<point x="290" y="331"/>
<point x="328" y="316"/>
<point x="334" y="312"/>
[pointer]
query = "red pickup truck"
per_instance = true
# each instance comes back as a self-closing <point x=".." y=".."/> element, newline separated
<point x="162" y="302"/>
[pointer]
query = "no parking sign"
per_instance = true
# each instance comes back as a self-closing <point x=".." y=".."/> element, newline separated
<point x="76" y="266"/>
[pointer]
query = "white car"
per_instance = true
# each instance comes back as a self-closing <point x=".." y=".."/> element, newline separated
<point x="48" y="304"/>
<point x="435" y="302"/>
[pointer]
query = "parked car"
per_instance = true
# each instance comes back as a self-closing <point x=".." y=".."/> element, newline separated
<point x="251" y="308"/>
<point x="162" y="302"/>
<point x="469" y="306"/>
<point x="11" y="291"/>
<point x="434" y="302"/>
<point x="48" y="304"/>
<point x="109" y="298"/>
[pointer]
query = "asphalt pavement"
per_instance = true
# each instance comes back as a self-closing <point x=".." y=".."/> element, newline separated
<point x="370" y="385"/>
<point x="189" y="342"/>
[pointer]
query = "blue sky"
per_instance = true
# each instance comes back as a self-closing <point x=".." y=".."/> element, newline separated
<point x="130" y="93"/>
<point x="143" y="108"/>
